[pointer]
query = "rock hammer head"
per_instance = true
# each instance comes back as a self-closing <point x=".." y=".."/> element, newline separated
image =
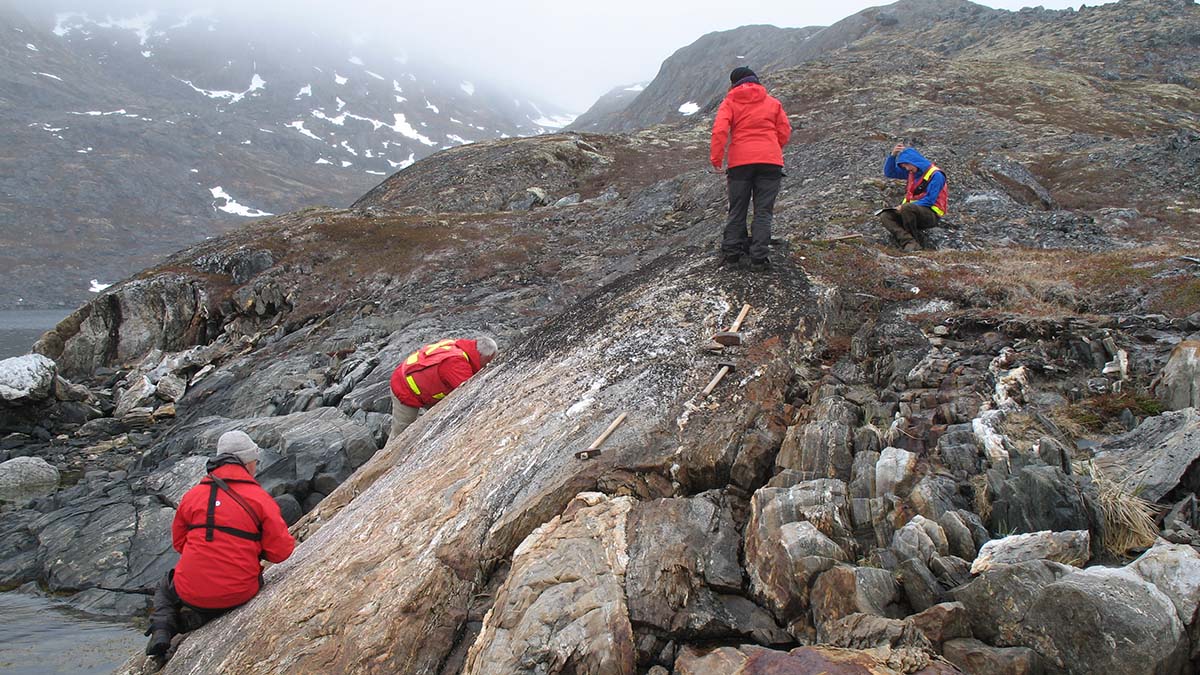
<point x="728" y="338"/>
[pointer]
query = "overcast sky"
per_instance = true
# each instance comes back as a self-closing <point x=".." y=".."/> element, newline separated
<point x="567" y="52"/>
<point x="573" y="52"/>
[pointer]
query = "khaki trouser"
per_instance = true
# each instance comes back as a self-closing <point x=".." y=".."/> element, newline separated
<point x="402" y="416"/>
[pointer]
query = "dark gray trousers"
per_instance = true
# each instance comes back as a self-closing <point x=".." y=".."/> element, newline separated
<point x="173" y="615"/>
<point x="904" y="223"/>
<point x="759" y="182"/>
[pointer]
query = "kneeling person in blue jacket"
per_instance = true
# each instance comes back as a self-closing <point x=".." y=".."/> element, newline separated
<point x="925" y="197"/>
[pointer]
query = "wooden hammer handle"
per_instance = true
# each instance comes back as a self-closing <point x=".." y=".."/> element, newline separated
<point x="737" y="323"/>
<point x="716" y="379"/>
<point x="607" y="432"/>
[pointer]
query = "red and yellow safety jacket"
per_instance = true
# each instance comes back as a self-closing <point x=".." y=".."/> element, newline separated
<point x="435" y="370"/>
<point x="918" y="187"/>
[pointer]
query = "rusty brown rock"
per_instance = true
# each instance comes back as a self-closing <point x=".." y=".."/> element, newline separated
<point x="942" y="622"/>
<point x="846" y="590"/>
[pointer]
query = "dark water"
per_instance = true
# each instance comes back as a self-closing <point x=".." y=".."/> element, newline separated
<point x="20" y="328"/>
<point x="38" y="637"/>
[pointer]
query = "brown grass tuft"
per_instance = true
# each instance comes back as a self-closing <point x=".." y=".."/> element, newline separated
<point x="1128" y="519"/>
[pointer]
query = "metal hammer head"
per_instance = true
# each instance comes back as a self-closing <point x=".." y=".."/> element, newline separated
<point x="728" y="338"/>
<point x="727" y="364"/>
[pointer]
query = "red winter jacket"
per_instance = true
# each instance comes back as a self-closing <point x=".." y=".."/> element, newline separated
<point x="218" y="567"/>
<point x="760" y="128"/>
<point x="435" y="370"/>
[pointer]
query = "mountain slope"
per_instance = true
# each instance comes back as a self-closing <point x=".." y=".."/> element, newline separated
<point x="131" y="138"/>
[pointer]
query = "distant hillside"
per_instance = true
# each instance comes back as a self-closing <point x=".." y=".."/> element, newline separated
<point x="129" y="138"/>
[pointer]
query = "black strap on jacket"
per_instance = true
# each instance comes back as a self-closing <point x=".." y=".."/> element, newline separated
<point x="210" y="515"/>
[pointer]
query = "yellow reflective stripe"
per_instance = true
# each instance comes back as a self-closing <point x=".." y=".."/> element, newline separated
<point x="938" y="211"/>
<point x="412" y="384"/>
<point x="439" y="396"/>
<point x="412" y="358"/>
<point x="929" y="173"/>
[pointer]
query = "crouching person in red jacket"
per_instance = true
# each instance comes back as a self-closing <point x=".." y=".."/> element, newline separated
<point x="222" y="528"/>
<point x="432" y="372"/>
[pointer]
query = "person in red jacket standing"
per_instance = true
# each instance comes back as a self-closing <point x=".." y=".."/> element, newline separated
<point x="757" y="129"/>
<point x="432" y="372"/>
<point x="222" y="529"/>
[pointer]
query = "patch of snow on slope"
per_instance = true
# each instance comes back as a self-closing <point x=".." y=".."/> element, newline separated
<point x="468" y="87"/>
<point x="339" y="120"/>
<point x="256" y="83"/>
<point x="306" y="90"/>
<point x="322" y="160"/>
<point x="339" y="79"/>
<point x="403" y="128"/>
<point x="376" y="173"/>
<point x="346" y="164"/>
<point x="50" y="76"/>
<point x="95" y="113"/>
<point x="405" y="164"/>
<point x="96" y="286"/>
<point x="233" y="207"/>
<point x="431" y="106"/>
<point x="299" y="126"/>
<point x="689" y="108"/>
<point x="340" y="103"/>
<point x="457" y="139"/>
<point x="375" y="75"/>
<point x="636" y="87"/>
<point x="30" y="47"/>
<point x="356" y="61"/>
<point x="61" y="20"/>
<point x="139" y="24"/>
<point x="556" y="122"/>
<point x="347" y="148"/>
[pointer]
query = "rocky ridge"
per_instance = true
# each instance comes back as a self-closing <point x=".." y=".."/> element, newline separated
<point x="922" y="463"/>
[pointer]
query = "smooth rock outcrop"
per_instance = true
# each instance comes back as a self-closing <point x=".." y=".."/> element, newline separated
<point x="977" y="658"/>
<point x="895" y="471"/>
<point x="997" y="601"/>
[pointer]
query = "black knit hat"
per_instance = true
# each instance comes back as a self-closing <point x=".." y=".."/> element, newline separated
<point x="739" y="73"/>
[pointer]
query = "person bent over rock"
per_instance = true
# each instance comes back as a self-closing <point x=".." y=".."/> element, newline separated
<point x="756" y="128"/>
<point x="432" y="372"/>
<point x="223" y="527"/>
<point x="925" y="197"/>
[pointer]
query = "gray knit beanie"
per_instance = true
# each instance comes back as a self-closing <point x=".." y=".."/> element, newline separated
<point x="238" y="444"/>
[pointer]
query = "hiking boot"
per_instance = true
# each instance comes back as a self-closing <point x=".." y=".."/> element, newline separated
<point x="159" y="643"/>
<point x="730" y="259"/>
<point x="760" y="264"/>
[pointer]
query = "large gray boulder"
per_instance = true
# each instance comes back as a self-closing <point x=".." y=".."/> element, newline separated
<point x="1152" y="459"/>
<point x="1039" y="497"/>
<point x="998" y="600"/>
<point x="1135" y="622"/>
<point x="1174" y="569"/>
<point x="25" y="477"/>
<point x="26" y="379"/>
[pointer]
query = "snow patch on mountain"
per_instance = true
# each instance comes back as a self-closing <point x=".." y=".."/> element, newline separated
<point x="356" y="61"/>
<point x="432" y="107"/>
<point x="375" y="75"/>
<point x="31" y="47"/>
<point x="55" y="77"/>
<point x="256" y="83"/>
<point x="689" y="108"/>
<point x="306" y="90"/>
<point x="299" y="126"/>
<point x="339" y="79"/>
<point x="468" y="87"/>
<point x="231" y="206"/>
<point x="96" y="286"/>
